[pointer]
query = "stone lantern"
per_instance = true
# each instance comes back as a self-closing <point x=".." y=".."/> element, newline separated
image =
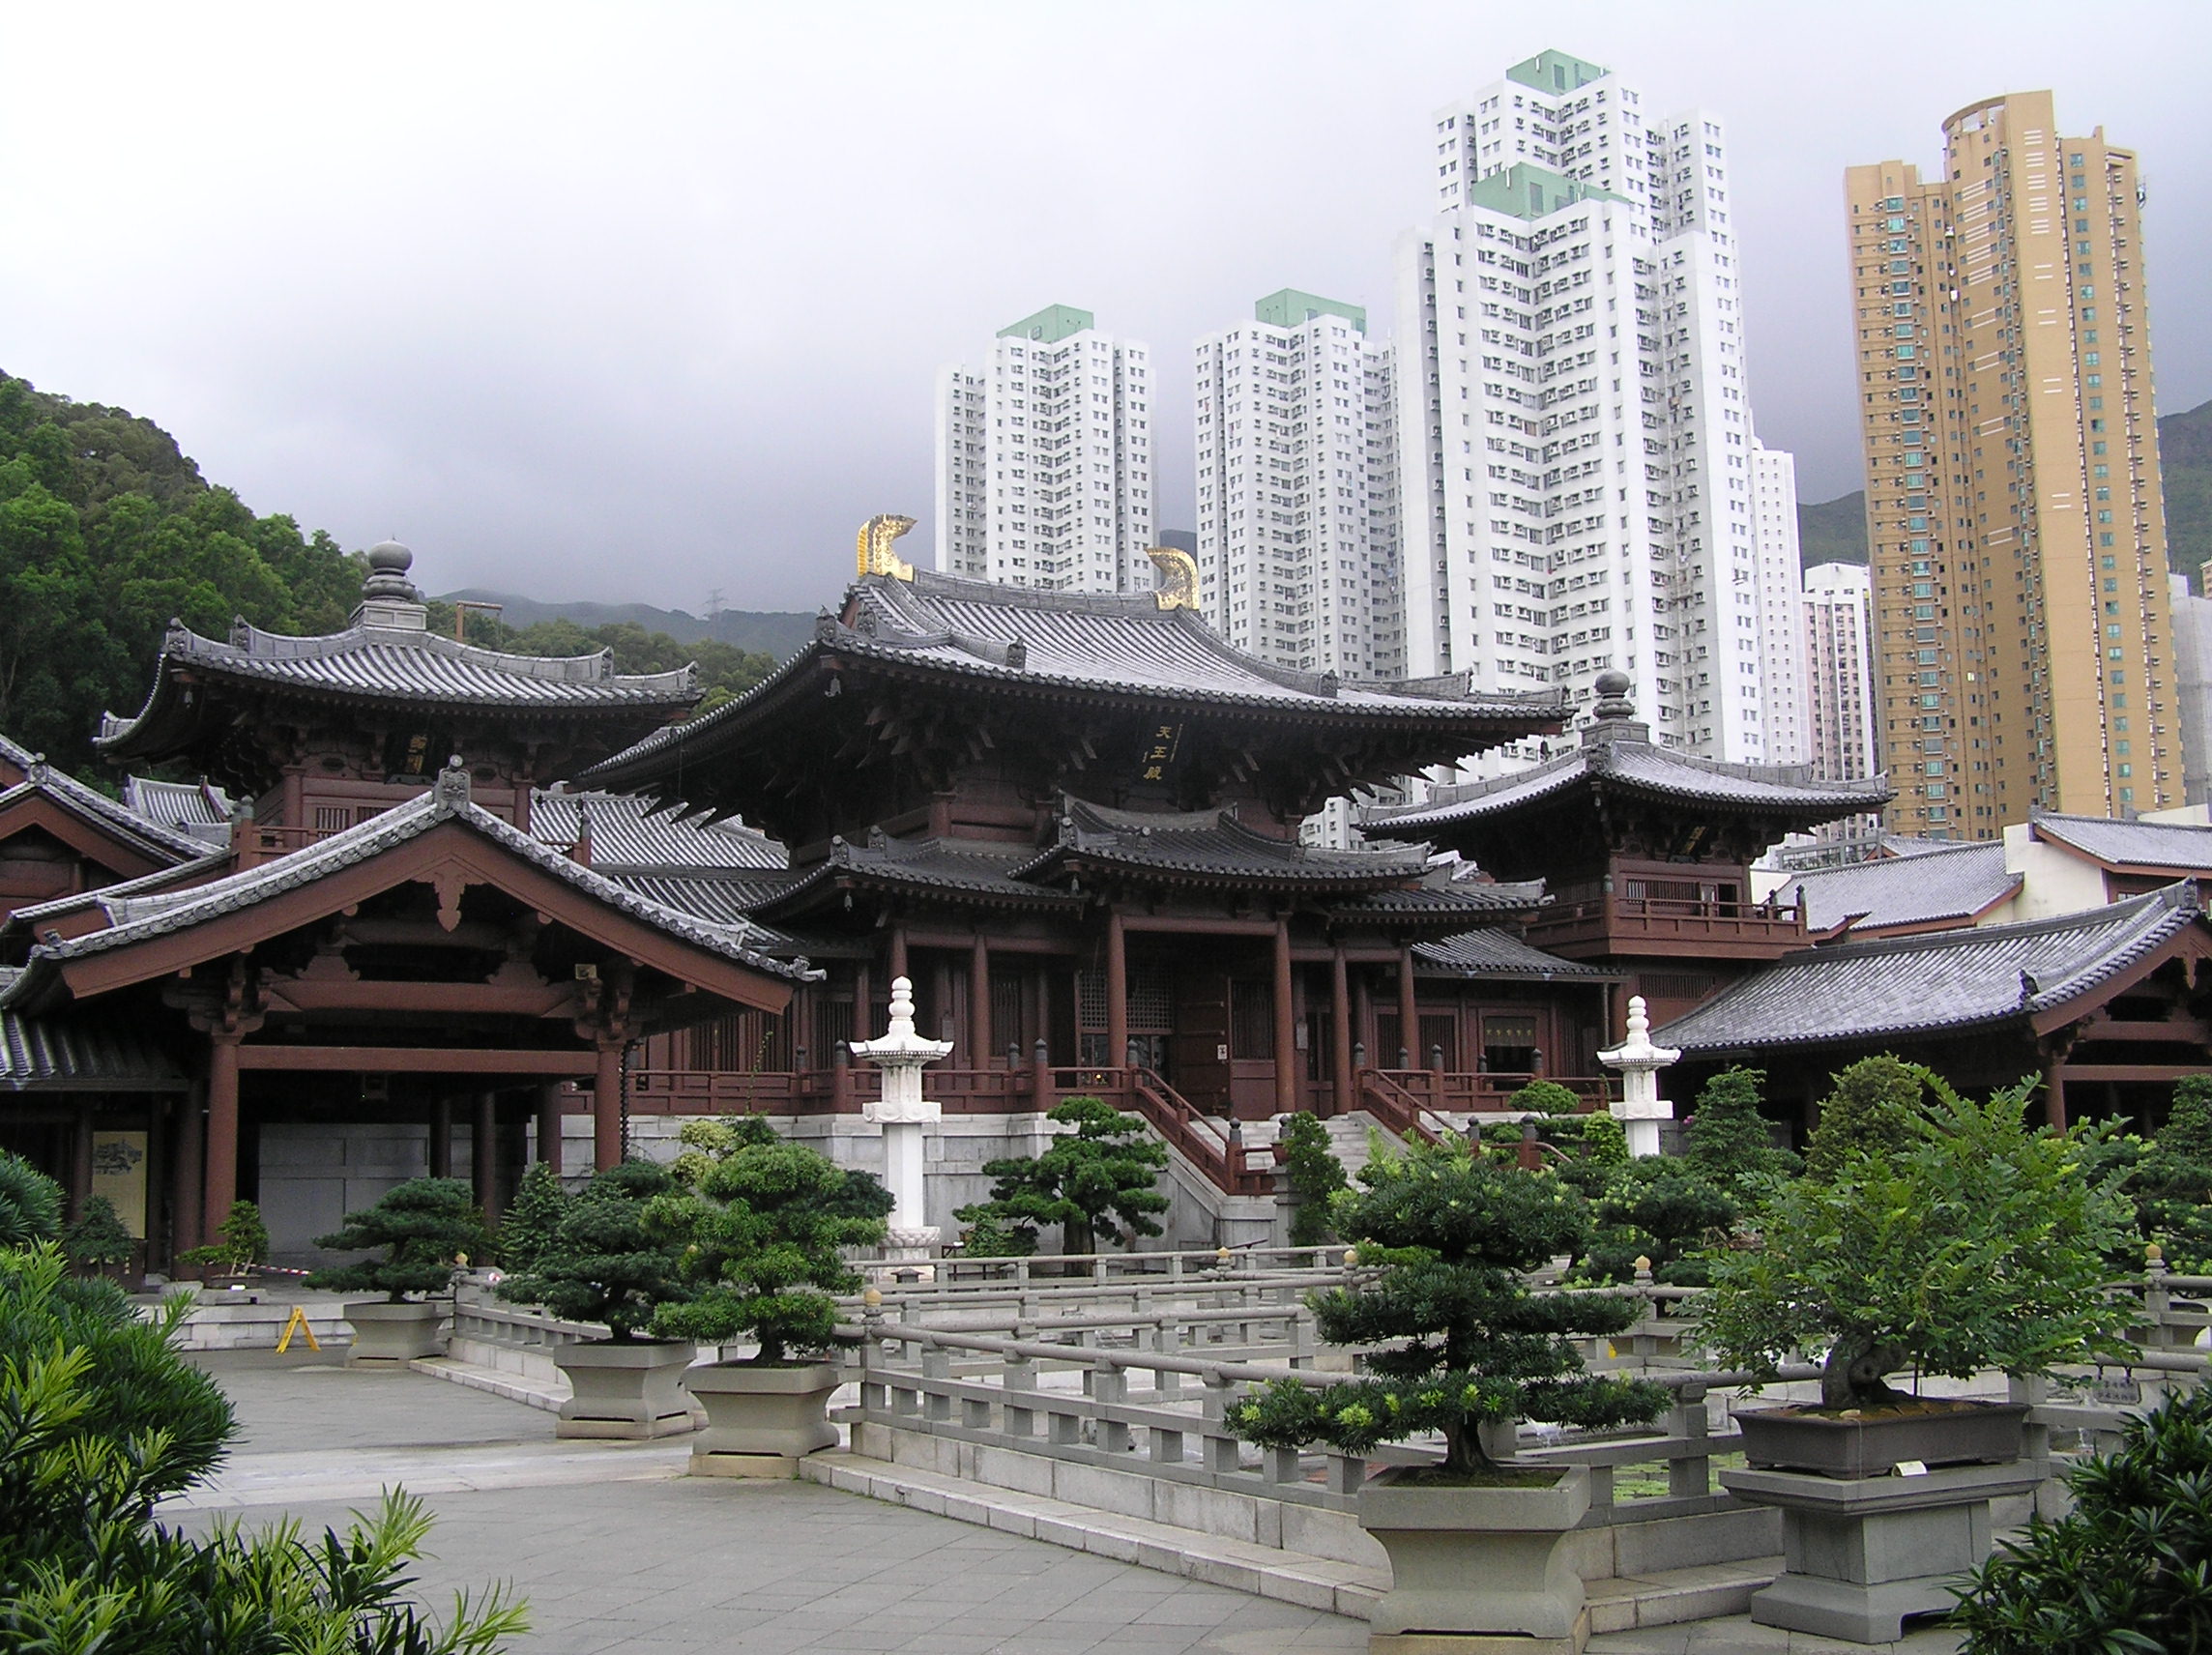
<point x="905" y="1115"/>
<point x="1640" y="1108"/>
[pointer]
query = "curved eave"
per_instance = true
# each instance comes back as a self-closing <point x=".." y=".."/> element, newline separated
<point x="1137" y="871"/>
<point x="809" y="896"/>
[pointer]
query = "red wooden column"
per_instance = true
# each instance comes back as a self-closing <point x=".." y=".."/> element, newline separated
<point x="188" y="1195"/>
<point x="1340" y="1032"/>
<point x="549" y="1125"/>
<point x="978" y="1053"/>
<point x="80" y="1160"/>
<point x="483" y="1157"/>
<point x="1286" y="1024"/>
<point x="607" y="1105"/>
<point x="1117" y="993"/>
<point x="1408" y="1014"/>
<point x="2054" y="1092"/>
<point x="220" y="1186"/>
<point x="898" y="970"/>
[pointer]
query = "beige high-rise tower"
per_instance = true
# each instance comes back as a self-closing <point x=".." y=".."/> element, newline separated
<point x="2024" y="643"/>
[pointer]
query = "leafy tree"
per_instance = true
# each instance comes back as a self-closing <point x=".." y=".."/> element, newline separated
<point x="602" y="1263"/>
<point x="242" y="1241"/>
<point x="1314" y="1175"/>
<point x="1097" y="1180"/>
<point x="531" y="1217"/>
<point x="1874" y="1109"/>
<point x="30" y="1203"/>
<point x="2171" y="1182"/>
<point x="97" y="1238"/>
<point x="423" y="1225"/>
<point x="1728" y="1138"/>
<point x="762" y="1234"/>
<point x="100" y="1418"/>
<point x="2128" y="1569"/>
<point x="1978" y="1244"/>
<point x="1455" y="1336"/>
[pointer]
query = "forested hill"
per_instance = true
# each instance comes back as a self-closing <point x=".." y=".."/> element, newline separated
<point x="107" y="530"/>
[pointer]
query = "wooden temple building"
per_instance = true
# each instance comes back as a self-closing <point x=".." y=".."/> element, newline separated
<point x="397" y="904"/>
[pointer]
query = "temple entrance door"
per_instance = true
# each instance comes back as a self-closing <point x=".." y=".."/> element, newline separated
<point x="1201" y="1071"/>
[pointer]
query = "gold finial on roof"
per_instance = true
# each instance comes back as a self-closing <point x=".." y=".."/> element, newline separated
<point x="1179" y="577"/>
<point x="875" y="556"/>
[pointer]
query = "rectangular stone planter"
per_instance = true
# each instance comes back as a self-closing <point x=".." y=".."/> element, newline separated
<point x="1478" y="1569"/>
<point x="1863" y="1552"/>
<point x="629" y="1391"/>
<point x="761" y="1421"/>
<point x="1797" y="1439"/>
<point x="386" y="1337"/>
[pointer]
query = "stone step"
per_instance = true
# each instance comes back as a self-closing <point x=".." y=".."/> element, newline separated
<point x="499" y="1381"/>
<point x="1660" y="1598"/>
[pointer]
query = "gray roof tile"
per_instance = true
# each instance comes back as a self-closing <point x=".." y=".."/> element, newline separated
<point x="1493" y="953"/>
<point x="1918" y="987"/>
<point x="628" y="831"/>
<point x="1209" y="845"/>
<point x="2176" y="847"/>
<point x="81" y="1054"/>
<point x="1925" y="887"/>
<point x="73" y="795"/>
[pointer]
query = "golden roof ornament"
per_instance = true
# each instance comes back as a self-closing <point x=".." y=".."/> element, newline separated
<point x="875" y="556"/>
<point x="1179" y="577"/>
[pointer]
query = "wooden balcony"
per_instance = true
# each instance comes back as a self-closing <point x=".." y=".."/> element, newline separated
<point x="1605" y="926"/>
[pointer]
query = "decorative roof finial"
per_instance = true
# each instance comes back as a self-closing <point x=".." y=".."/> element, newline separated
<point x="452" y="784"/>
<point x="1613" y="696"/>
<point x="875" y="554"/>
<point x="388" y="564"/>
<point x="1179" y="577"/>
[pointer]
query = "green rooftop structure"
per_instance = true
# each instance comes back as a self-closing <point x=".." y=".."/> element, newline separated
<point x="1531" y="192"/>
<point x="1556" y="72"/>
<point x="1051" y="325"/>
<point x="1289" y="309"/>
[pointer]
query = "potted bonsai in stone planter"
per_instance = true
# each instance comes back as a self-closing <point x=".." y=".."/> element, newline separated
<point x="423" y="1226"/>
<point x="597" y="1261"/>
<point x="97" y="1244"/>
<point x="1458" y="1345"/>
<point x="762" y="1232"/>
<point x="1948" y="1238"/>
<point x="229" y="1259"/>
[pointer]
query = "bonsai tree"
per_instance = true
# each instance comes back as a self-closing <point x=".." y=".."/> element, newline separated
<point x="1096" y="1181"/>
<point x="1726" y="1136"/>
<point x="862" y="1194"/>
<point x="1978" y="1244"/>
<point x="30" y="1204"/>
<point x="1314" y="1175"/>
<point x="602" y="1264"/>
<point x="762" y="1235"/>
<point x="990" y="1237"/>
<point x="1545" y="1097"/>
<point x="423" y="1226"/>
<point x="1598" y="1154"/>
<point x="1872" y="1111"/>
<point x="241" y="1242"/>
<point x="97" y="1238"/>
<point x="1455" y="1336"/>
<point x="2171" y="1182"/>
<point x="530" y="1218"/>
<point x="1664" y="1209"/>
<point x="2126" y="1568"/>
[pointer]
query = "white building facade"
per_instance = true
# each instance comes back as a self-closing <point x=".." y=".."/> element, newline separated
<point x="1298" y="488"/>
<point x="1575" y="435"/>
<point x="1839" y="672"/>
<point x="1044" y="459"/>
<point x="1780" y="578"/>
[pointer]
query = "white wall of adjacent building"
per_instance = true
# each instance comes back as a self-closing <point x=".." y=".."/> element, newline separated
<point x="1576" y="438"/>
<point x="1044" y="459"/>
<point x="1782" y="683"/>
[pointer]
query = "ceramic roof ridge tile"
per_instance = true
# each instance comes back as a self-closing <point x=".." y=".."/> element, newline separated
<point x="1935" y="982"/>
<point x="137" y="918"/>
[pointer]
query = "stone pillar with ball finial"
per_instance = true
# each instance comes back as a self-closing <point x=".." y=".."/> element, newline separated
<point x="905" y="1115"/>
<point x="1640" y="1108"/>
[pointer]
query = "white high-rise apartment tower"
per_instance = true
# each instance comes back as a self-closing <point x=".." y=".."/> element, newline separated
<point x="1781" y="599"/>
<point x="1575" y="436"/>
<point x="1839" y="699"/>
<point x="1297" y="493"/>
<point x="1044" y="459"/>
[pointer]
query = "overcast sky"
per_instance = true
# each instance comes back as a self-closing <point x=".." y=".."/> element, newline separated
<point x="635" y="302"/>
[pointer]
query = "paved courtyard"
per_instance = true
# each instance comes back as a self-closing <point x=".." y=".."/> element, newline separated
<point x="616" y="1551"/>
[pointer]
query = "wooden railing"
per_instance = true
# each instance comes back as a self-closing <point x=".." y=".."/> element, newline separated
<point x="1652" y="918"/>
<point x="1448" y="1092"/>
<point x="1228" y="1164"/>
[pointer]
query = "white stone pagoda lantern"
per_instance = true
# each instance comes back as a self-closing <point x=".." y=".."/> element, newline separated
<point x="1640" y="1108"/>
<point x="905" y="1115"/>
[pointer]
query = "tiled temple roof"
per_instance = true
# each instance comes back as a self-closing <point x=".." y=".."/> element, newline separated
<point x="1957" y="883"/>
<point x="154" y="840"/>
<point x="628" y="831"/>
<point x="1495" y="953"/>
<point x="1208" y="846"/>
<point x="81" y="1054"/>
<point x="2176" y="847"/>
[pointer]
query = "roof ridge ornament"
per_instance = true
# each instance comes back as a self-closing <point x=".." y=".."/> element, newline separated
<point x="1179" y="577"/>
<point x="452" y="786"/>
<point x="874" y="554"/>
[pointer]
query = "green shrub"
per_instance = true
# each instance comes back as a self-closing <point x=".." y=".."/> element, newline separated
<point x="1545" y="1097"/>
<point x="762" y="1237"/>
<point x="2129" y="1569"/>
<point x="243" y="1241"/>
<point x="1979" y="1243"/>
<point x="1874" y="1110"/>
<point x="1098" y="1180"/>
<point x="1664" y="1209"/>
<point x="603" y="1262"/>
<point x="2172" y="1180"/>
<point x="990" y="1237"/>
<point x="1728" y="1138"/>
<point x="97" y="1238"/>
<point x="530" y="1218"/>
<point x="100" y="1417"/>
<point x="423" y="1225"/>
<point x="1315" y="1174"/>
<point x="1454" y="1336"/>
<point x="30" y="1204"/>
